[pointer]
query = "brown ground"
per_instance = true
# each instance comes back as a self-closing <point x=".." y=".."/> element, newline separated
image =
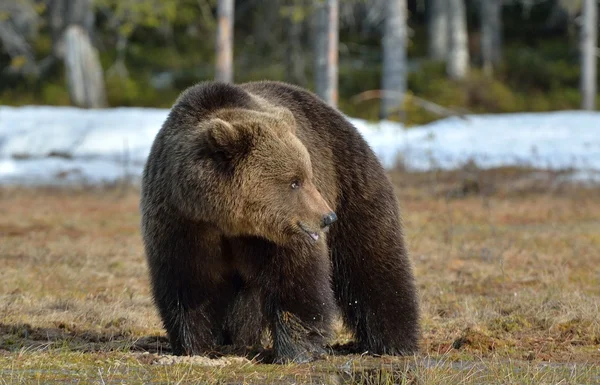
<point x="507" y="261"/>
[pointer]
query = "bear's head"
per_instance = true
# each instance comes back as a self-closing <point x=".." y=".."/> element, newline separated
<point x="265" y="177"/>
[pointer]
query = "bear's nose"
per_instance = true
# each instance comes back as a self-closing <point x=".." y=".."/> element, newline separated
<point x="328" y="219"/>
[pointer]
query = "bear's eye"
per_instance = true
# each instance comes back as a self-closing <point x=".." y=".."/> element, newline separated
<point x="295" y="184"/>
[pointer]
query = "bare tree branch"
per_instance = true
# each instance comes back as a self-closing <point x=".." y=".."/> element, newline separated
<point x="423" y="103"/>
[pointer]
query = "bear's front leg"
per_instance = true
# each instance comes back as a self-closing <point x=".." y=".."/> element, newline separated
<point x="193" y="318"/>
<point x="190" y="285"/>
<point x="299" y="302"/>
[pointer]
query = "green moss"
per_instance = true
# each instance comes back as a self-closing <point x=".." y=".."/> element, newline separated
<point x="509" y="324"/>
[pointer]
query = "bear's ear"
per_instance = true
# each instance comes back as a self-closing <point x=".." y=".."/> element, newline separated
<point x="285" y="115"/>
<point x="222" y="137"/>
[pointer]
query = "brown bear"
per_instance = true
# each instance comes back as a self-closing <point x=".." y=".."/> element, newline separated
<point x="263" y="209"/>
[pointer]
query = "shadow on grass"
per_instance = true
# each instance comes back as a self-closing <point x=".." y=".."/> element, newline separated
<point x="343" y="364"/>
<point x="23" y="336"/>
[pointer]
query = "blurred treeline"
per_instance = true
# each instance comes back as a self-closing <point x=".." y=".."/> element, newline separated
<point x="150" y="50"/>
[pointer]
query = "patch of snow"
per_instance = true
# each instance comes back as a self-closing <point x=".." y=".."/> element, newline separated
<point x="555" y="140"/>
<point x="49" y="145"/>
<point x="39" y="131"/>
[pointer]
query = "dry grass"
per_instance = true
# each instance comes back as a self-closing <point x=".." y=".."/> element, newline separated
<point x="508" y="266"/>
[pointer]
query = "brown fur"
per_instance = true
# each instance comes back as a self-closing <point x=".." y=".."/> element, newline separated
<point x="226" y="235"/>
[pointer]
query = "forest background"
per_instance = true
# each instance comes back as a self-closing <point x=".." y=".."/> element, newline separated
<point x="465" y="56"/>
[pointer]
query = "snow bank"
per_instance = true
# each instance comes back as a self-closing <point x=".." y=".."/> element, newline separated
<point x="59" y="144"/>
<point x="553" y="140"/>
<point x="45" y="145"/>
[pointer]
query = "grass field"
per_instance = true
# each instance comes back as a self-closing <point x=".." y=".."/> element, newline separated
<point x="507" y="263"/>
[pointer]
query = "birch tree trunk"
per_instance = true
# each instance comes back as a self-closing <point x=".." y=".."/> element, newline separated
<point x="326" y="55"/>
<point x="437" y="26"/>
<point x="394" y="56"/>
<point x="458" y="54"/>
<point x="71" y="24"/>
<point x="62" y="14"/>
<point x="224" y="62"/>
<point x="589" y="59"/>
<point x="491" y="34"/>
<point x="85" y="78"/>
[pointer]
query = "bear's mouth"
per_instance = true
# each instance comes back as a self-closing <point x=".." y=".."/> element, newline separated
<point x="311" y="233"/>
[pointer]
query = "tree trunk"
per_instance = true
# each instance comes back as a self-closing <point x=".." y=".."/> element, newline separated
<point x="224" y="65"/>
<point x="458" y="54"/>
<point x="71" y="24"/>
<point x="394" y="56"/>
<point x="326" y="57"/>
<point x="491" y="34"/>
<point x="437" y="26"/>
<point x="62" y="14"/>
<point x="589" y="60"/>
<point x="84" y="74"/>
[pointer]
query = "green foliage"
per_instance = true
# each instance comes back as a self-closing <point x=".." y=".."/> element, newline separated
<point x="295" y="13"/>
<point x="51" y="93"/>
<point x="430" y="82"/>
<point x="145" y="13"/>
<point x="560" y="99"/>
<point x="56" y="94"/>
<point x="16" y="97"/>
<point x="486" y="94"/>
<point x="368" y="110"/>
<point x="532" y="70"/>
<point x="273" y="71"/>
<point x="354" y="79"/>
<point x="42" y="45"/>
<point x="130" y="93"/>
<point x="527" y="82"/>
